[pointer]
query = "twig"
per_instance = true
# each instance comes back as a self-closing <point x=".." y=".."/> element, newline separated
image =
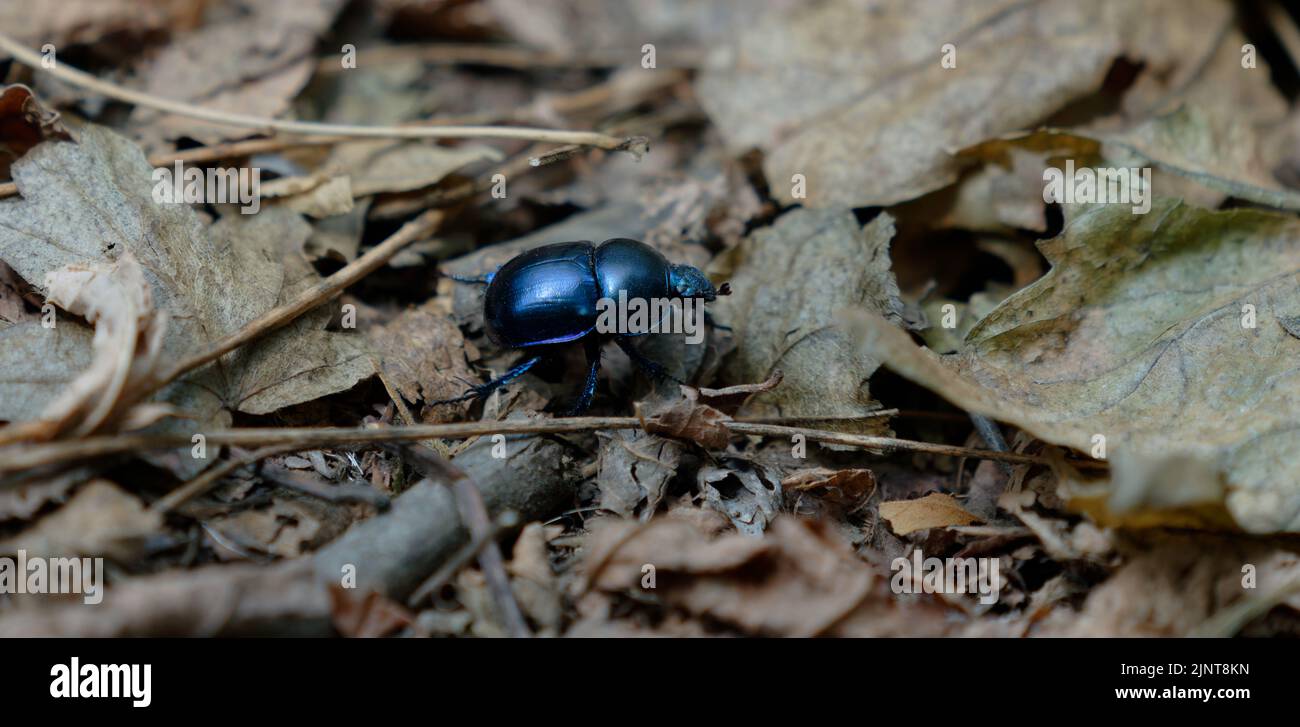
<point x="461" y="559"/>
<point x="209" y="478"/>
<point x="883" y="443"/>
<point x="503" y="56"/>
<point x="474" y="513"/>
<point x="20" y="457"/>
<point x="84" y="80"/>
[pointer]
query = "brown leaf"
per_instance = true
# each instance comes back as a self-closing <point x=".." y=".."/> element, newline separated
<point x="76" y="22"/>
<point x="798" y="580"/>
<point x="253" y="64"/>
<point x="634" y="472"/>
<point x="366" y="616"/>
<point x="24" y="123"/>
<point x="692" y="422"/>
<point x="788" y="280"/>
<point x="424" y="355"/>
<point x="100" y="520"/>
<point x="849" y="488"/>
<point x="211" y="282"/>
<point x="935" y="510"/>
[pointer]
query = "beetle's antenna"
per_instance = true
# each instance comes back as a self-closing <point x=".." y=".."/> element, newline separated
<point x="724" y="289"/>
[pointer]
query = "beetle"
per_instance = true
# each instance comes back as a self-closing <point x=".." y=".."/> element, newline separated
<point x="547" y="297"/>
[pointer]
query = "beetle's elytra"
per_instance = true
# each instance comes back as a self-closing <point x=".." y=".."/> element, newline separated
<point x="548" y="296"/>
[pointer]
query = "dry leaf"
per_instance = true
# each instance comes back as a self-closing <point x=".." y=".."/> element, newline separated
<point x="634" y="472"/>
<point x="253" y="64"/>
<point x="746" y="491"/>
<point x="796" y="581"/>
<point x="366" y="616"/>
<point x="210" y="282"/>
<point x="24" y="123"/>
<point x="1140" y="334"/>
<point x="100" y="520"/>
<point x="935" y="510"/>
<point x="787" y="281"/>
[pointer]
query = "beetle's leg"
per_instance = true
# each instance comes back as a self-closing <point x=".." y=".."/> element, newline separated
<point x="652" y="368"/>
<point x="708" y="319"/>
<point x="485" y="280"/>
<point x="592" y="347"/>
<point x="481" y="391"/>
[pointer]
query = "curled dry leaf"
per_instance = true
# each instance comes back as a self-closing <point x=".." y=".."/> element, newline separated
<point x="24" y="123"/>
<point x="688" y="420"/>
<point x="114" y="298"/>
<point x="1159" y="333"/>
<point x="935" y="510"/>
<point x="210" y="282"/>
<point x="848" y="488"/>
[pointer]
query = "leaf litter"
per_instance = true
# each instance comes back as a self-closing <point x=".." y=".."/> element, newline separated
<point x="732" y="505"/>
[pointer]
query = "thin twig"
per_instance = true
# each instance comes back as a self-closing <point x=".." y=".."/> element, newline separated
<point x="84" y="80"/>
<point x="208" y="479"/>
<point x="20" y="457"/>
<point x="461" y="559"/>
<point x="505" y="56"/>
<point x="474" y="515"/>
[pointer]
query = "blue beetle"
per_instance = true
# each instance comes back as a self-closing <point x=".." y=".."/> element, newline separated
<point x="547" y="297"/>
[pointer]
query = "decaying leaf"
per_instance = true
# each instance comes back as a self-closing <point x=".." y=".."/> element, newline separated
<point x="423" y="353"/>
<point x="1158" y="333"/>
<point x="747" y="492"/>
<point x="796" y="581"/>
<point x="377" y="166"/>
<point x="848" y="488"/>
<point x="862" y="106"/>
<point x="691" y="421"/>
<point x="100" y="520"/>
<point x="273" y="43"/>
<point x="210" y="282"/>
<point x="935" y="510"/>
<point x="634" y="472"/>
<point x="787" y="281"/>
<point x="366" y="616"/>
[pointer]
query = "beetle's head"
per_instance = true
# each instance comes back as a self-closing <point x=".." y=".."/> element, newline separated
<point x="690" y="282"/>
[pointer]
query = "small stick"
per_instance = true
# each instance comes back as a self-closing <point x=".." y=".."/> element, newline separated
<point x="474" y="514"/>
<point x="83" y="80"/>
<point x="21" y="457"/>
<point x="208" y="479"/>
<point x="461" y="559"/>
